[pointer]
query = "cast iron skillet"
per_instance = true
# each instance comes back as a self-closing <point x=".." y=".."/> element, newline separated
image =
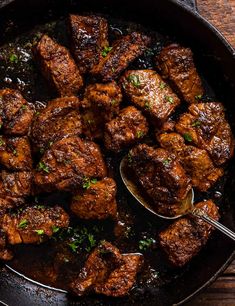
<point x="216" y="59"/>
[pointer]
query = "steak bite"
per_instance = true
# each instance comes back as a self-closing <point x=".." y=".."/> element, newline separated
<point x="61" y="118"/>
<point x="34" y="224"/>
<point x="16" y="113"/>
<point x="98" y="201"/>
<point x="58" y="66"/>
<point x="161" y="176"/>
<point x="176" y="64"/>
<point x="146" y="89"/>
<point x="124" y="51"/>
<point x="15" y="153"/>
<point x="195" y="161"/>
<point x="68" y="163"/>
<point x="89" y="36"/>
<point x="183" y="239"/>
<point x="103" y="259"/>
<point x="206" y="127"/>
<point x="126" y="129"/>
<point x="14" y="187"/>
<point x="101" y="104"/>
<point x="121" y="279"/>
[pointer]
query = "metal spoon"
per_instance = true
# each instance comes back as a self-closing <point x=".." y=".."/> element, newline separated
<point x="187" y="206"/>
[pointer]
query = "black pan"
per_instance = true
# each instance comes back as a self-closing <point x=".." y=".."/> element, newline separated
<point x="173" y="21"/>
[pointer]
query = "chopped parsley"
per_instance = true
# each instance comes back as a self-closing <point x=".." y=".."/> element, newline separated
<point x="162" y="85"/>
<point x="147" y="105"/>
<point x="82" y="239"/>
<point x="196" y="123"/>
<point x="169" y="99"/>
<point x="0" y="126"/>
<point x="187" y="137"/>
<point x="2" y="142"/>
<point x="134" y="80"/>
<point x="15" y="152"/>
<point x="198" y="97"/>
<point x="113" y="102"/>
<point x="44" y="167"/>
<point x="166" y="161"/>
<point x="24" y="107"/>
<point x="23" y="223"/>
<point x="37" y="113"/>
<point x="87" y="182"/>
<point x="41" y="150"/>
<point x="13" y="58"/>
<point x="55" y="229"/>
<point x="39" y="232"/>
<point x="105" y="51"/>
<point x="139" y="134"/>
<point x="129" y="158"/>
<point x="146" y="243"/>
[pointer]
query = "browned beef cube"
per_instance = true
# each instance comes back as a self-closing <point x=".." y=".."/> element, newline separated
<point x="100" y="263"/>
<point x="101" y="104"/>
<point x="68" y="164"/>
<point x="15" y="153"/>
<point x="126" y="129"/>
<point x="15" y="113"/>
<point x="176" y="64"/>
<point x="34" y="224"/>
<point x="5" y="254"/>
<point x="206" y="127"/>
<point x="98" y="201"/>
<point x="161" y="176"/>
<point x="123" y="52"/>
<point x="89" y="37"/>
<point x="146" y="90"/>
<point x="61" y="118"/>
<point x="58" y="67"/>
<point x="183" y="239"/>
<point x="122" y="279"/>
<point x="14" y="187"/>
<point x="196" y="162"/>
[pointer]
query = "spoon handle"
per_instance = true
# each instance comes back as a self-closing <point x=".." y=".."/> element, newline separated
<point x="202" y="215"/>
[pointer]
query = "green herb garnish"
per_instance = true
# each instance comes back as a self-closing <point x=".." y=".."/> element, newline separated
<point x="55" y="229"/>
<point x="196" y="123"/>
<point x="87" y="182"/>
<point x="169" y="99"/>
<point x="39" y="231"/>
<point x="13" y="58"/>
<point x="105" y="51"/>
<point x="162" y="85"/>
<point x="44" y="167"/>
<point x="2" y="142"/>
<point x="73" y="246"/>
<point x="24" y="107"/>
<point x="113" y="102"/>
<point x="187" y="137"/>
<point x="166" y="161"/>
<point x="198" y="97"/>
<point x="147" y="105"/>
<point x="145" y="244"/>
<point x="15" y="152"/>
<point x="139" y="134"/>
<point x="129" y="158"/>
<point x="134" y="80"/>
<point x="23" y="223"/>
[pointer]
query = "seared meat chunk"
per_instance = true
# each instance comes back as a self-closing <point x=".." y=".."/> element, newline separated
<point x="196" y="162"/>
<point x="97" y="201"/>
<point x="59" y="119"/>
<point x="122" y="279"/>
<point x="161" y="176"/>
<point x="14" y="187"/>
<point x="15" y="113"/>
<point x="126" y="129"/>
<point x="123" y="52"/>
<point x="68" y="164"/>
<point x="146" y="90"/>
<point x="58" y="67"/>
<point x="15" y="153"/>
<point x="175" y="64"/>
<point x="104" y="259"/>
<point x="5" y="254"/>
<point x="89" y="37"/>
<point x="183" y="239"/>
<point x="206" y="127"/>
<point x="34" y="224"/>
<point x="101" y="104"/>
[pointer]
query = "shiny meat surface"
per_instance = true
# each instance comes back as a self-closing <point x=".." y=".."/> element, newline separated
<point x="68" y="164"/>
<point x="176" y="64"/>
<point x="89" y="35"/>
<point x="126" y="129"/>
<point x="98" y="201"/>
<point x="147" y="90"/>
<point x="14" y="187"/>
<point x="33" y="224"/>
<point x="15" y="113"/>
<point x="123" y="52"/>
<point x="122" y="279"/>
<point x="195" y="161"/>
<point x="206" y="127"/>
<point x="15" y="153"/>
<point x="161" y="176"/>
<point x="101" y="104"/>
<point x="61" y="118"/>
<point x="5" y="254"/>
<point x="100" y="263"/>
<point x="184" y="238"/>
<point x="58" y="66"/>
